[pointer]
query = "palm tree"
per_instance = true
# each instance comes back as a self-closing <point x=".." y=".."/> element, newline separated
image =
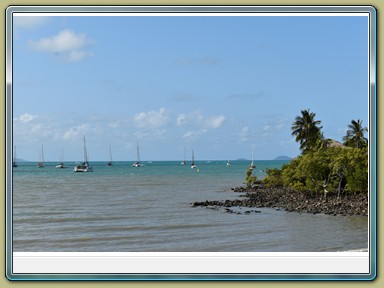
<point x="307" y="130"/>
<point x="355" y="135"/>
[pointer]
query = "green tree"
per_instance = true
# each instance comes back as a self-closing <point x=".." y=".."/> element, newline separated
<point x="338" y="170"/>
<point x="250" y="179"/>
<point x="274" y="178"/>
<point x="355" y="135"/>
<point x="307" y="130"/>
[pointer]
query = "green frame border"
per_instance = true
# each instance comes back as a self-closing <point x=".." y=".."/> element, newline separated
<point x="373" y="149"/>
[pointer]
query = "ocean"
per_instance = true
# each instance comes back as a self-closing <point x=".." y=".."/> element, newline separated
<point x="148" y="209"/>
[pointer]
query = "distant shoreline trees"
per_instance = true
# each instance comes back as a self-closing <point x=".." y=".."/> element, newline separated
<point x="324" y="167"/>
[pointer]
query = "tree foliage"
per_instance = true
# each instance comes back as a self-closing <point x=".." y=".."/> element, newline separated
<point x="336" y="169"/>
<point x="307" y="130"/>
<point x="355" y="135"/>
<point x="250" y="179"/>
<point x="322" y="167"/>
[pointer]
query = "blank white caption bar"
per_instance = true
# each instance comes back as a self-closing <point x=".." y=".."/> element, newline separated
<point x="186" y="263"/>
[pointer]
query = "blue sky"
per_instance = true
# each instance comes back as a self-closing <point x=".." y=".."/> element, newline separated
<point x="217" y="85"/>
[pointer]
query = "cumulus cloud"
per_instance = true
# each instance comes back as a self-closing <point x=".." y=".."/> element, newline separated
<point x="215" y="121"/>
<point x="151" y="119"/>
<point x="72" y="45"/>
<point x="28" y="126"/>
<point x="26" y="117"/>
<point x="194" y="134"/>
<point x="180" y="120"/>
<point x="29" y="22"/>
<point x="198" y="119"/>
<point x="75" y="132"/>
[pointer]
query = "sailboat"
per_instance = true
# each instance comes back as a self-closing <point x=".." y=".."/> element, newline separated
<point x="193" y="164"/>
<point x="14" y="164"/>
<point x="184" y="161"/>
<point x="137" y="163"/>
<point x="61" y="164"/>
<point x="40" y="164"/>
<point x="84" y="167"/>
<point x="110" y="157"/>
<point x="252" y="166"/>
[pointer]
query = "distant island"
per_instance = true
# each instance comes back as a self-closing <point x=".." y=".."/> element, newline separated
<point x="277" y="158"/>
<point x="283" y="158"/>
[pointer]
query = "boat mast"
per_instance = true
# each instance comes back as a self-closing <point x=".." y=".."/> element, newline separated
<point x="62" y="155"/>
<point x="138" y="152"/>
<point x="85" y="153"/>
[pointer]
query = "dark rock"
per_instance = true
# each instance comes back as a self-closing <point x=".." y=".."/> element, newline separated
<point x="292" y="201"/>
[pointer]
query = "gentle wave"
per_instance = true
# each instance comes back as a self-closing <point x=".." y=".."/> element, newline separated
<point x="122" y="208"/>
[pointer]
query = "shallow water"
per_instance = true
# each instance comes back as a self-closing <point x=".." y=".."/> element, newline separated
<point x="127" y="209"/>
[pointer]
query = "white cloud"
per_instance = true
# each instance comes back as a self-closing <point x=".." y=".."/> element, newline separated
<point x="194" y="134"/>
<point x="66" y="42"/>
<point x="76" y="55"/>
<point x="215" y="121"/>
<point x="181" y="119"/>
<point x="28" y="127"/>
<point x="29" y="22"/>
<point x="75" y="132"/>
<point x="266" y="127"/>
<point x="26" y="117"/>
<point x="197" y="119"/>
<point x="151" y="119"/>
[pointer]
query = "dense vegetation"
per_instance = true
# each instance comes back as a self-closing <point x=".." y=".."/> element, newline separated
<point x="324" y="166"/>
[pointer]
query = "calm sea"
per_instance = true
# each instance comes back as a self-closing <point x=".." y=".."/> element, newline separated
<point x="127" y="209"/>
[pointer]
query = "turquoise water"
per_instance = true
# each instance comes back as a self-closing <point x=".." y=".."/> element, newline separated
<point x="128" y="209"/>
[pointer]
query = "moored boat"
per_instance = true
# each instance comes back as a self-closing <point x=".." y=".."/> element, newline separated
<point x="84" y="167"/>
<point x="41" y="164"/>
<point x="193" y="164"/>
<point x="61" y="164"/>
<point x="137" y="163"/>
<point x="252" y="165"/>
<point x="109" y="163"/>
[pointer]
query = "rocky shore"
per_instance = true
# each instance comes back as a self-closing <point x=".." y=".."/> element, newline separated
<point x="291" y="201"/>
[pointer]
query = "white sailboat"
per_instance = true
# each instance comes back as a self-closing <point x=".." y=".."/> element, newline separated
<point x="252" y="166"/>
<point x="84" y="167"/>
<point x="193" y="164"/>
<point x="184" y="161"/>
<point x="137" y="163"/>
<point x="40" y="164"/>
<point x="14" y="164"/>
<point x="110" y="157"/>
<point x="61" y="164"/>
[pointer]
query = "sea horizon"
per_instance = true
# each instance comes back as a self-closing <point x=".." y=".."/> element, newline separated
<point x="138" y="209"/>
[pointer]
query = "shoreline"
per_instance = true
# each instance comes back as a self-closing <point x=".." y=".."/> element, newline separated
<point x="260" y="196"/>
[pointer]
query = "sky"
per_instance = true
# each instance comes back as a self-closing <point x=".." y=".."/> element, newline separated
<point x="218" y="85"/>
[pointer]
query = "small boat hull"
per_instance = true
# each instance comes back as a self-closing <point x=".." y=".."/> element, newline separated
<point x="137" y="164"/>
<point x="60" y="166"/>
<point x="83" y="168"/>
